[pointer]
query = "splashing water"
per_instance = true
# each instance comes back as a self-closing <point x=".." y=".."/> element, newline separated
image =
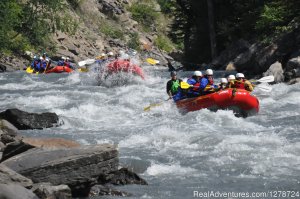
<point x="177" y="154"/>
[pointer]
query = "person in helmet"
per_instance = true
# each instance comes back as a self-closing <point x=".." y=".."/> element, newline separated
<point x="173" y="85"/>
<point x="110" y="56"/>
<point x="195" y="82"/>
<point x="35" y="64"/>
<point x="223" y="85"/>
<point x="242" y="83"/>
<point x="230" y="79"/>
<point x="207" y="83"/>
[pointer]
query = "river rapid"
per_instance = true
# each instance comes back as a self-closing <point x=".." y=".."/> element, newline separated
<point x="178" y="155"/>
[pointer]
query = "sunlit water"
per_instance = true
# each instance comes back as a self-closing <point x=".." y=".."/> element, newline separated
<point x="176" y="154"/>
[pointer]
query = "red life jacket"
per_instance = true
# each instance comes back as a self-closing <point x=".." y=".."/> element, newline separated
<point x="239" y="84"/>
<point x="210" y="80"/>
<point x="196" y="86"/>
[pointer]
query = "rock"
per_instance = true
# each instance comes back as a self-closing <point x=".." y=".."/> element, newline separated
<point x="15" y="191"/>
<point x="294" y="81"/>
<point x="8" y="139"/>
<point x="51" y="143"/>
<point x="9" y="176"/>
<point x="7" y="128"/>
<point x="275" y="70"/>
<point x="230" y="53"/>
<point x="2" y="68"/>
<point x="293" y="63"/>
<point x="78" y="168"/>
<point x="1" y="147"/>
<point x="123" y="177"/>
<point x="230" y="67"/>
<point x="102" y="190"/>
<point x="23" y="120"/>
<point x="15" y="148"/>
<point x="47" y="191"/>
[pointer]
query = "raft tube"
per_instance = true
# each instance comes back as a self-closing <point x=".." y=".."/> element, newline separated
<point x="60" y="69"/>
<point x="241" y="102"/>
<point x="125" y="66"/>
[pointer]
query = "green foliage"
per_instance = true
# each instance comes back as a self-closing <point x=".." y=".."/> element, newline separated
<point x="28" y="24"/>
<point x="67" y="24"/>
<point x="144" y="14"/>
<point x="134" y="41"/>
<point x="110" y="29"/>
<point x="10" y="13"/>
<point x="274" y="20"/>
<point x="167" y="6"/>
<point x="164" y="43"/>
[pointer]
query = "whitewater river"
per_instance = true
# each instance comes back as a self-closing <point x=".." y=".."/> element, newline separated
<point x="176" y="154"/>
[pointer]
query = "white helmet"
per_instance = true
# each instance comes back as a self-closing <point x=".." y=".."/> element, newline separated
<point x="224" y="80"/>
<point x="41" y="58"/>
<point x="103" y="54"/>
<point x="67" y="58"/>
<point x="231" y="77"/>
<point x="239" y="75"/>
<point x="110" y="53"/>
<point x="209" y="72"/>
<point x="63" y="58"/>
<point x="197" y="73"/>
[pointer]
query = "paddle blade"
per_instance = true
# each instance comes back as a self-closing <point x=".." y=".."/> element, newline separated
<point x="152" y="105"/>
<point x="86" y="62"/>
<point x="152" y="61"/>
<point x="266" y="79"/>
<point x="184" y="85"/>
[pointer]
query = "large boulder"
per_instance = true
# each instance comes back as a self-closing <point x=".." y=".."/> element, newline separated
<point x="230" y="53"/>
<point x="79" y="168"/>
<point x="23" y="120"/>
<point x="15" y="191"/>
<point x="277" y="71"/>
<point x="8" y="176"/>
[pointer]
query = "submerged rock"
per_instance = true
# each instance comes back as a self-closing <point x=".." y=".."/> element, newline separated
<point x="48" y="191"/>
<point x="23" y="120"/>
<point x="103" y="190"/>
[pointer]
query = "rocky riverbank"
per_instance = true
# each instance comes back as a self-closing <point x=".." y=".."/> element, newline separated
<point x="55" y="167"/>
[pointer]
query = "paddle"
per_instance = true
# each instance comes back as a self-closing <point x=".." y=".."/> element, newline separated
<point x="154" y="105"/>
<point x="86" y="62"/>
<point x="265" y="79"/>
<point x="47" y="66"/>
<point x="152" y="61"/>
<point x="185" y="85"/>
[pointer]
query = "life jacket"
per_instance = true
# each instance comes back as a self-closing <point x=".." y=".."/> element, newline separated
<point x="175" y="86"/>
<point x="239" y="84"/>
<point x="210" y="80"/>
<point x="196" y="84"/>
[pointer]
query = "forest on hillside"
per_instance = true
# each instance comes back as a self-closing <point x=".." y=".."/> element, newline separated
<point x="200" y="28"/>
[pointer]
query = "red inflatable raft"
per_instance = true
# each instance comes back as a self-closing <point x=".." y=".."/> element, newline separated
<point x="241" y="102"/>
<point x="125" y="66"/>
<point x="60" y="69"/>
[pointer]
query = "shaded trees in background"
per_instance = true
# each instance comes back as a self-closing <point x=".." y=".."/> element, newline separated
<point x="253" y="20"/>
